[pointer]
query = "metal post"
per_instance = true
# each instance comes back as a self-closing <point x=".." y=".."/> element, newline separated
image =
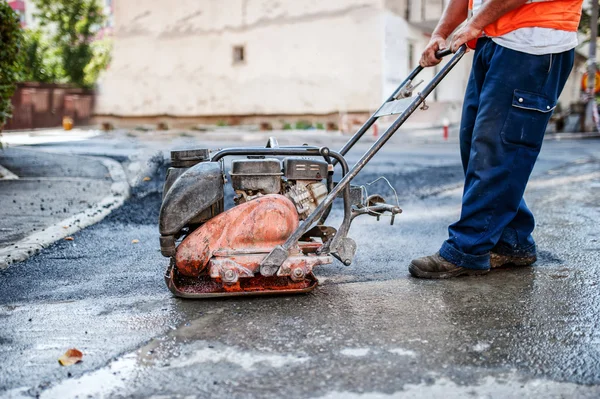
<point x="590" y="111"/>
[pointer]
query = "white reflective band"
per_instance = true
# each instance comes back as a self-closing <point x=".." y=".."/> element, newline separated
<point x="477" y="4"/>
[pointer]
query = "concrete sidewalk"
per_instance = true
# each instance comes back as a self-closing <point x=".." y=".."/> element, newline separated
<point x="48" y="196"/>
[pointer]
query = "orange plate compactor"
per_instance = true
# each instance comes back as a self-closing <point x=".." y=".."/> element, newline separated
<point x="275" y="234"/>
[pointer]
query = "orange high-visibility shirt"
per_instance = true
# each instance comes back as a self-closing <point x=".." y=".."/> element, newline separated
<point x="554" y="14"/>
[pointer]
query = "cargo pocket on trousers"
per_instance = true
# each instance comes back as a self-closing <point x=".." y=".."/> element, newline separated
<point x="527" y="119"/>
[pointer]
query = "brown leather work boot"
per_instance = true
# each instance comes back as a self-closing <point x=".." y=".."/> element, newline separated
<point x="498" y="261"/>
<point x="435" y="266"/>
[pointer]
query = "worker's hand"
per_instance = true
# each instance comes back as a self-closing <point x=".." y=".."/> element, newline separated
<point x="465" y="34"/>
<point x="428" y="57"/>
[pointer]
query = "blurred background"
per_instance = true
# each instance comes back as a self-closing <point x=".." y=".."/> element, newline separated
<point x="271" y="64"/>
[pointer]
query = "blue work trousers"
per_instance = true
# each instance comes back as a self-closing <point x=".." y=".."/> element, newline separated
<point x="508" y="103"/>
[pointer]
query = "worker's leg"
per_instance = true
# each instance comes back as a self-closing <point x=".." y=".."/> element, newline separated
<point x="516" y="239"/>
<point x="511" y="242"/>
<point x="471" y="103"/>
<point x="519" y="92"/>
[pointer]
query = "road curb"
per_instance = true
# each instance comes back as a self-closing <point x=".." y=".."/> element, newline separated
<point x="31" y="245"/>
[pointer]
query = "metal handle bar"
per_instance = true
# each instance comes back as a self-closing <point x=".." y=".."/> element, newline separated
<point x="279" y="151"/>
<point x="271" y="263"/>
<point x="442" y="53"/>
<point x="364" y="128"/>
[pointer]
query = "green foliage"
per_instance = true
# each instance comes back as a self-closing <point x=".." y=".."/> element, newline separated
<point x="72" y="26"/>
<point x="221" y="123"/>
<point x="43" y="62"/>
<point x="287" y="126"/>
<point x="303" y="125"/>
<point x="320" y="126"/>
<point x="40" y="62"/>
<point x="101" y="51"/>
<point x="11" y="37"/>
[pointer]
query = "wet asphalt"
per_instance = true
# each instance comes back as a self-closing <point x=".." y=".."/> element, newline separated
<point x="369" y="330"/>
<point x="49" y="189"/>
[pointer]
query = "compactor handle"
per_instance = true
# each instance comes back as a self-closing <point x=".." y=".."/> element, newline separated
<point x="367" y="125"/>
<point x="442" y="53"/>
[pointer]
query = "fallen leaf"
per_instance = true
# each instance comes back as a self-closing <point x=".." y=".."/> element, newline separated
<point x="69" y="238"/>
<point x="135" y="241"/>
<point x="70" y="357"/>
<point x="65" y="227"/>
<point x="147" y="178"/>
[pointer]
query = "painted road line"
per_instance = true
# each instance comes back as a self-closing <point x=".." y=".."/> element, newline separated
<point x="32" y="244"/>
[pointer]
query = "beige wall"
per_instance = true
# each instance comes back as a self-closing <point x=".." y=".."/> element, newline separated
<point x="302" y="57"/>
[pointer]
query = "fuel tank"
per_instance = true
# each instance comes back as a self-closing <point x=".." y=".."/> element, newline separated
<point x="254" y="227"/>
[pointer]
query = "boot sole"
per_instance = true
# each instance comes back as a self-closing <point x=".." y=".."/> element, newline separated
<point x="416" y="272"/>
<point x="502" y="261"/>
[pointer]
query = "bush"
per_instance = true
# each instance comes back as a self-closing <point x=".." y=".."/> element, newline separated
<point x="303" y="125"/>
<point x="40" y="62"/>
<point x="72" y="26"/>
<point x="320" y="126"/>
<point x="287" y="126"/>
<point x="11" y="37"/>
<point x="101" y="56"/>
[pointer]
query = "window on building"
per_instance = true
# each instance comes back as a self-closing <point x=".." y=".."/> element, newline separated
<point x="411" y="57"/>
<point x="239" y="55"/>
<point x="407" y="11"/>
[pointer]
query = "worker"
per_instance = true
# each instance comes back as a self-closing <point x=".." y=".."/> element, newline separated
<point x="523" y="55"/>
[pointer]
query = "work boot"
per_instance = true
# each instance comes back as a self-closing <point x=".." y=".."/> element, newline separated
<point x="435" y="266"/>
<point x="497" y="260"/>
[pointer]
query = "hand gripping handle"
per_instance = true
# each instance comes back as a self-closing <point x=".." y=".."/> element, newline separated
<point x="442" y="53"/>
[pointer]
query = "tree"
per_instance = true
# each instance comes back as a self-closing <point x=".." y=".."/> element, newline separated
<point x="10" y="41"/>
<point x="101" y="50"/>
<point x="72" y="25"/>
<point x="40" y="61"/>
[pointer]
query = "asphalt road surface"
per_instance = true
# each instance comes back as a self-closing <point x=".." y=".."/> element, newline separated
<point x="368" y="331"/>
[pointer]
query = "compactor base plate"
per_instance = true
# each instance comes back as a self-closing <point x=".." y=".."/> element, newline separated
<point x="206" y="287"/>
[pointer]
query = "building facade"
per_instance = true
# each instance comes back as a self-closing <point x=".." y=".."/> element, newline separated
<point x="245" y="61"/>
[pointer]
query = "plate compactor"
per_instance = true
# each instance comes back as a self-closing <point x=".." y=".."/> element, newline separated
<point x="275" y="235"/>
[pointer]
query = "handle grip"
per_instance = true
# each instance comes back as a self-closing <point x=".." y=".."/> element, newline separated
<point x="442" y="53"/>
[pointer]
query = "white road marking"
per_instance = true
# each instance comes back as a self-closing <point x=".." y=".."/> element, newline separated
<point x="32" y="244"/>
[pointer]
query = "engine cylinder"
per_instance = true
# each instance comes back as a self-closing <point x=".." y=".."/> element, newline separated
<point x="256" y="175"/>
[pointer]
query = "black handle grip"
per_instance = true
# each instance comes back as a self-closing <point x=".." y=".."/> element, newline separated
<point x="442" y="53"/>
